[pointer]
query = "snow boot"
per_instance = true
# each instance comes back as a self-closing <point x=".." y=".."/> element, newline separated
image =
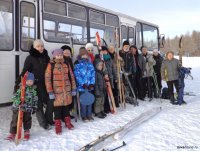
<point x="104" y="114"/>
<point x="100" y="115"/>
<point x="26" y="135"/>
<point x="11" y="137"/>
<point x="58" y="127"/>
<point x="90" y="118"/>
<point x="68" y="123"/>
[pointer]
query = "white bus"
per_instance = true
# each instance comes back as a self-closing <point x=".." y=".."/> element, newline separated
<point x="55" y="22"/>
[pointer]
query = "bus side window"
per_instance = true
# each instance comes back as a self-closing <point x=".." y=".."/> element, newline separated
<point x="124" y="33"/>
<point x="138" y="35"/>
<point x="131" y="36"/>
<point x="6" y="25"/>
<point x="27" y="25"/>
<point x="61" y="26"/>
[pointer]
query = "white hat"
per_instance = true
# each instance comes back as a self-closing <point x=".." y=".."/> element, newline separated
<point x="155" y="51"/>
<point x="89" y="46"/>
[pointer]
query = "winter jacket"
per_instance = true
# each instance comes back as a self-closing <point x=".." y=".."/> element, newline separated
<point x="84" y="73"/>
<point x="112" y="73"/>
<point x="140" y="64"/>
<point x="128" y="62"/>
<point x="57" y="82"/>
<point x="36" y="63"/>
<point x="150" y="62"/>
<point x="100" y="85"/>
<point x="31" y="99"/>
<point x="170" y="69"/>
<point x="158" y="64"/>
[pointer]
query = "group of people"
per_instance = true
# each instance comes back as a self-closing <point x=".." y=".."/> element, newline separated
<point x="59" y="79"/>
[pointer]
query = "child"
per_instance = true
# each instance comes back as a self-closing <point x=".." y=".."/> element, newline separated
<point x="29" y="107"/>
<point x="85" y="77"/>
<point x="60" y="89"/>
<point x="100" y="89"/>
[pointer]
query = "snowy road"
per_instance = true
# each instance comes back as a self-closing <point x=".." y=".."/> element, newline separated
<point x="173" y="127"/>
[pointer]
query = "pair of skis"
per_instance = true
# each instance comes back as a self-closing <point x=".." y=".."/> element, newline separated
<point x="21" y="112"/>
<point x="121" y="88"/>
<point x="117" y="134"/>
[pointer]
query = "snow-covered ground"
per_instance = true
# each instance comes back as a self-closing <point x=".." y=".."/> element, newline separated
<point x="173" y="127"/>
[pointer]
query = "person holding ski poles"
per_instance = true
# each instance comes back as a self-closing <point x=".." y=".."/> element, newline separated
<point x="139" y="64"/>
<point x="60" y="89"/>
<point x="157" y="69"/>
<point x="36" y="63"/>
<point x="170" y="74"/>
<point x="29" y="107"/>
<point x="147" y="78"/>
<point x="128" y="64"/>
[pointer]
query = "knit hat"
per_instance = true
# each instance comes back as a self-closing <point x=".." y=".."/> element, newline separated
<point x="104" y="48"/>
<point x="89" y="46"/>
<point x="57" y="52"/>
<point x="64" y="47"/>
<point x="83" y="51"/>
<point x="126" y="42"/>
<point x="30" y="76"/>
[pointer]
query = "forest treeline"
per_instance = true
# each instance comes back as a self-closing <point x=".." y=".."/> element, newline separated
<point x="190" y="44"/>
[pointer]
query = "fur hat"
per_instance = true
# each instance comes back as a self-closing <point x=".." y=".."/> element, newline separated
<point x="126" y="42"/>
<point x="30" y="76"/>
<point x="57" y="52"/>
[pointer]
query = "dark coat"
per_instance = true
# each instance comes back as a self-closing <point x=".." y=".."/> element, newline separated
<point x="159" y="60"/>
<point x="128" y="61"/>
<point x="140" y="64"/>
<point x="36" y="63"/>
<point x="100" y="85"/>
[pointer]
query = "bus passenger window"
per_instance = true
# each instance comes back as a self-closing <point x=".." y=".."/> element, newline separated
<point x="55" y="7"/>
<point x="138" y="35"/>
<point x="27" y="25"/>
<point x="76" y="11"/>
<point x="49" y="30"/>
<point x="124" y="33"/>
<point x="93" y="34"/>
<point x="131" y="36"/>
<point x="6" y="25"/>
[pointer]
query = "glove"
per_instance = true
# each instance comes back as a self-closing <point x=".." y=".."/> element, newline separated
<point x="51" y="96"/>
<point x="91" y="87"/>
<point x="73" y="92"/>
<point x="85" y="86"/>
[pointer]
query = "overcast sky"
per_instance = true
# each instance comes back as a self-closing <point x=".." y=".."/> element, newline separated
<point x="174" y="17"/>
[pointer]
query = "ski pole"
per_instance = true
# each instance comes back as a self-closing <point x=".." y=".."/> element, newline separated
<point x="123" y="144"/>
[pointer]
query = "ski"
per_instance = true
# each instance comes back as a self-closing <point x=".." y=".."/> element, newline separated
<point x="21" y="112"/>
<point x="111" y="98"/>
<point x="104" y="140"/>
<point x="122" y="100"/>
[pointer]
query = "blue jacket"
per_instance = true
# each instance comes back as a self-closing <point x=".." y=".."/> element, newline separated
<point x="84" y="73"/>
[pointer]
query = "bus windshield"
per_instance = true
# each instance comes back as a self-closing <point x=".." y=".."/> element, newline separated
<point x="150" y="37"/>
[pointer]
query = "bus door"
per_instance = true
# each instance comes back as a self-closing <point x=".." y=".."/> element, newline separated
<point x="28" y="26"/>
<point x="7" y="49"/>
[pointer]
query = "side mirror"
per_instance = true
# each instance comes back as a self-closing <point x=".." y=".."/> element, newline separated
<point x="162" y="41"/>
